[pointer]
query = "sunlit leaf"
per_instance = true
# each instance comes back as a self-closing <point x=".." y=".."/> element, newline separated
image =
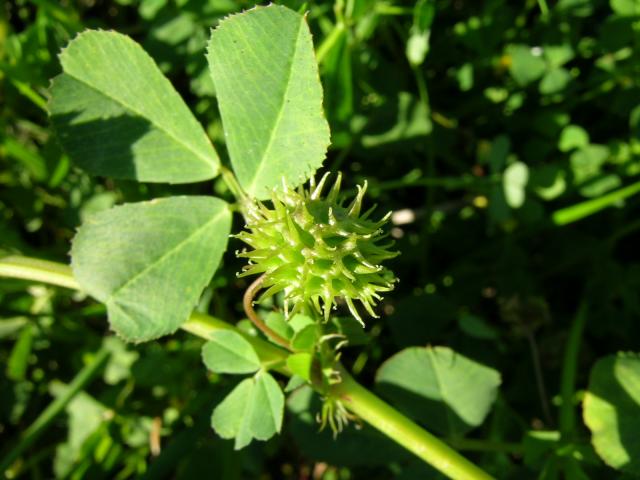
<point x="149" y="262"/>
<point x="447" y="391"/>
<point x="254" y="409"/>
<point x="270" y="97"/>
<point x="118" y="116"/>
<point x="612" y="408"/>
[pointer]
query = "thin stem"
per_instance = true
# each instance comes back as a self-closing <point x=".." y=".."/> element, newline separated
<point x="537" y="369"/>
<point x="329" y="42"/>
<point x="429" y="198"/>
<point x="232" y="184"/>
<point x="40" y="425"/>
<point x="247" y="303"/>
<point x="356" y="398"/>
<point x="405" y="432"/>
<point x="386" y="9"/>
<point x="567" y="417"/>
<point x="544" y="8"/>
<point x="26" y="90"/>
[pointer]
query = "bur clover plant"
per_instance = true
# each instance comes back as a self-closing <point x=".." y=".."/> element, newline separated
<point x="319" y="255"/>
<point x="148" y="262"/>
<point x="277" y="327"/>
<point x="316" y="254"/>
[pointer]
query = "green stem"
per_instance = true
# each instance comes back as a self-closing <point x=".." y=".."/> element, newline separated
<point x="429" y="193"/>
<point x="386" y="9"/>
<point x="544" y="8"/>
<point x="329" y="42"/>
<point x="232" y="184"/>
<point x="356" y="398"/>
<point x="38" y="270"/>
<point x="202" y="325"/>
<point x="26" y="90"/>
<point x="399" y="428"/>
<point x="40" y="425"/>
<point x="581" y="210"/>
<point x="567" y="417"/>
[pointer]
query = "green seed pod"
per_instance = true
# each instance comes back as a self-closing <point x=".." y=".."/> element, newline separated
<point x="315" y="249"/>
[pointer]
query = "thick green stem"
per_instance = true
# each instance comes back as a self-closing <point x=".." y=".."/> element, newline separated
<point x="396" y="426"/>
<point x="589" y="207"/>
<point x="38" y="270"/>
<point x="40" y="425"/>
<point x="356" y="398"/>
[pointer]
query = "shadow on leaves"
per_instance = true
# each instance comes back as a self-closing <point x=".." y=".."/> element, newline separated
<point x="85" y="142"/>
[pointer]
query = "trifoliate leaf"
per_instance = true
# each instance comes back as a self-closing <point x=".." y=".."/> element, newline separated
<point x="254" y="409"/>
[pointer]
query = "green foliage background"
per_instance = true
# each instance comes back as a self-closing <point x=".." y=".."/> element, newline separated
<point x="487" y="127"/>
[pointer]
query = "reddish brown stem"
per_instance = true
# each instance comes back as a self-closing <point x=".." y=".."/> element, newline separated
<point x="247" y="302"/>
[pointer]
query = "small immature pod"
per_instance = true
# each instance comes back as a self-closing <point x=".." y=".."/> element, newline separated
<point x="316" y="249"/>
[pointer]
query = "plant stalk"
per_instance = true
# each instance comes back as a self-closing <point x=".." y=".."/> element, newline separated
<point x="356" y="398"/>
<point x="40" y="425"/>
<point x="247" y="303"/>
<point x="405" y="432"/>
<point x="537" y="370"/>
<point x="581" y="210"/>
<point x="234" y="187"/>
<point x="38" y="270"/>
<point x="544" y="8"/>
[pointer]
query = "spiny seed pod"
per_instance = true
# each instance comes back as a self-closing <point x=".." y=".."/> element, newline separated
<point x="315" y="249"/>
